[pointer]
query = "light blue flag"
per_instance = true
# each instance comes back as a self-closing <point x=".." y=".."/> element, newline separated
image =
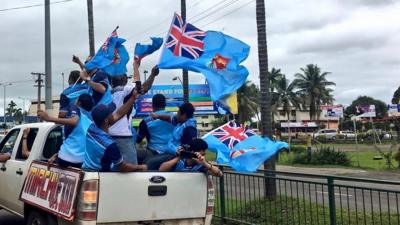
<point x="143" y="50"/>
<point x="216" y="55"/>
<point x="240" y="148"/>
<point x="112" y="56"/>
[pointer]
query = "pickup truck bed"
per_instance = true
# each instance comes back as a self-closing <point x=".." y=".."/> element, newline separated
<point x="106" y="198"/>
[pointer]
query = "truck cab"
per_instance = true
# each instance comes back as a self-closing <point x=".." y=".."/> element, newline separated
<point x="105" y="198"/>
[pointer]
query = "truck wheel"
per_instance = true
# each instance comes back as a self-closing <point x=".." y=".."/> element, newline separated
<point x="36" y="218"/>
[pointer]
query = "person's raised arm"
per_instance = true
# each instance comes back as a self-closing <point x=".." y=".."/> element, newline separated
<point x="150" y="80"/>
<point x="169" y="165"/>
<point x="99" y="87"/>
<point x="73" y="121"/>
<point x="25" y="150"/>
<point x="125" y="108"/>
<point x="78" y="61"/>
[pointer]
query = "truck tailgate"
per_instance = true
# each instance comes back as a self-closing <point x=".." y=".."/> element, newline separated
<point x="125" y="197"/>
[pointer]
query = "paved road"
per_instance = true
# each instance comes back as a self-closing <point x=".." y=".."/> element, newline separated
<point x="357" y="196"/>
<point x="7" y="218"/>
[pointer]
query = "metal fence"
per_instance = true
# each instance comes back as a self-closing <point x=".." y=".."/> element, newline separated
<point x="304" y="199"/>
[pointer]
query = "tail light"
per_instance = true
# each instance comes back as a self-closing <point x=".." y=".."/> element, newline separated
<point x="87" y="207"/>
<point x="210" y="196"/>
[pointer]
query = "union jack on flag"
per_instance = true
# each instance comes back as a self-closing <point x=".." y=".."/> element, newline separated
<point x="184" y="39"/>
<point x="104" y="47"/>
<point x="232" y="133"/>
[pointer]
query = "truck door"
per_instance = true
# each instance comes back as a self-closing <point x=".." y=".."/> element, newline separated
<point x="16" y="170"/>
<point x="7" y="146"/>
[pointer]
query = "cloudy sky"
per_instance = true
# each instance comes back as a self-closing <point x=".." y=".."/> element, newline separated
<point x="358" y="41"/>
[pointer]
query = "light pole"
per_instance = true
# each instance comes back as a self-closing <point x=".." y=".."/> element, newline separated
<point x="23" y="107"/>
<point x="353" y="117"/>
<point x="62" y="74"/>
<point x="4" y="101"/>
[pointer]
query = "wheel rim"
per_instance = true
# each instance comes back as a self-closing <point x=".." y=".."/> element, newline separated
<point x="36" y="221"/>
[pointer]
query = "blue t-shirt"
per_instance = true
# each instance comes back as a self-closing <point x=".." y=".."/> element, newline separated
<point x="181" y="166"/>
<point x="72" y="112"/>
<point x="102" y="152"/>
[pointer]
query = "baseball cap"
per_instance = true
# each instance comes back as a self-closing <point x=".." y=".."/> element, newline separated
<point x="101" y="112"/>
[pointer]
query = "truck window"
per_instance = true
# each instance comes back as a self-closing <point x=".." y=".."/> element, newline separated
<point x="31" y="139"/>
<point x="53" y="143"/>
<point x="8" y="142"/>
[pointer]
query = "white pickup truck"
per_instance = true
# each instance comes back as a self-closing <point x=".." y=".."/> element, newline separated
<point x="105" y="198"/>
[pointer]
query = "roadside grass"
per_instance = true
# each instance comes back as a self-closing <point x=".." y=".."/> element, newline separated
<point x="365" y="159"/>
<point x="287" y="210"/>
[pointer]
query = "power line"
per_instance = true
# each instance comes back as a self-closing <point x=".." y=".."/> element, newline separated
<point x="32" y="6"/>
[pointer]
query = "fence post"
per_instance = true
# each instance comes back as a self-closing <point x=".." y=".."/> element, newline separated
<point x="331" y="196"/>
<point x="222" y="195"/>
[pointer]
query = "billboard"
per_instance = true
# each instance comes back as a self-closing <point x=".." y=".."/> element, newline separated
<point x="332" y="111"/>
<point x="365" y="111"/>
<point x="199" y="96"/>
<point x="393" y="110"/>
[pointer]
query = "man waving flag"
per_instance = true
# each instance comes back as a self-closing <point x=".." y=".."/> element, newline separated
<point x="216" y="55"/>
<point x="240" y="147"/>
<point x="112" y="56"/>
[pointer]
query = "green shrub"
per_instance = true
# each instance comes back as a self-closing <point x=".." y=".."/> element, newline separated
<point x="298" y="148"/>
<point x="322" y="156"/>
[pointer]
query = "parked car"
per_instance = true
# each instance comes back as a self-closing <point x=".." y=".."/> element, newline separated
<point x="329" y="134"/>
<point x="348" y="134"/>
<point x="103" y="197"/>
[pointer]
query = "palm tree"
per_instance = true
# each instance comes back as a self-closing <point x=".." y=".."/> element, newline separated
<point x="185" y="73"/>
<point x="312" y="85"/>
<point x="286" y="97"/>
<point x="275" y="75"/>
<point x="248" y="101"/>
<point x="91" y="27"/>
<point x="265" y="85"/>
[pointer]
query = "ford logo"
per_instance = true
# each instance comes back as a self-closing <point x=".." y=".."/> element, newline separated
<point x="157" y="179"/>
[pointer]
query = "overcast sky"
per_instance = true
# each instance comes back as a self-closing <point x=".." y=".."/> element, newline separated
<point x="358" y="41"/>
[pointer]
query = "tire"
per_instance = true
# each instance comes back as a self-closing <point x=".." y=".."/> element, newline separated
<point x="36" y="218"/>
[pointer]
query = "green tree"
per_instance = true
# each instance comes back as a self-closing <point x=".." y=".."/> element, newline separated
<point x="248" y="101"/>
<point x="286" y="97"/>
<point x="13" y="111"/>
<point x="275" y="75"/>
<point x="396" y="97"/>
<point x="313" y="87"/>
<point x="380" y="106"/>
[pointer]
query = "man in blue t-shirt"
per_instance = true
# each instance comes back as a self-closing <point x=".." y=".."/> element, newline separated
<point x="65" y="103"/>
<point x="102" y="153"/>
<point x="191" y="159"/>
<point x="72" y="150"/>
<point x="184" y="131"/>
<point x="157" y="132"/>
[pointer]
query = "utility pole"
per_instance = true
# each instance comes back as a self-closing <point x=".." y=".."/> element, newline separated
<point x="91" y="27"/>
<point x="185" y="74"/>
<point x="47" y="49"/>
<point x="39" y="85"/>
<point x="4" y="101"/>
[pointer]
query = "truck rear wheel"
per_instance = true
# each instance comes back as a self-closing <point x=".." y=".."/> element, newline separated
<point x="38" y="218"/>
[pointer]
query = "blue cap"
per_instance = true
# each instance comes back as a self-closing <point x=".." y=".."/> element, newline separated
<point x="101" y="112"/>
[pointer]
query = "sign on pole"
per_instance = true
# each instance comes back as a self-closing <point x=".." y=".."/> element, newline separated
<point x="332" y="111"/>
<point x="53" y="190"/>
<point x="365" y="111"/>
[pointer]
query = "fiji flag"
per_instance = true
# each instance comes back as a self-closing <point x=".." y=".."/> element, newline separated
<point x="112" y="57"/>
<point x="143" y="50"/>
<point x="240" y="147"/>
<point x="216" y="55"/>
